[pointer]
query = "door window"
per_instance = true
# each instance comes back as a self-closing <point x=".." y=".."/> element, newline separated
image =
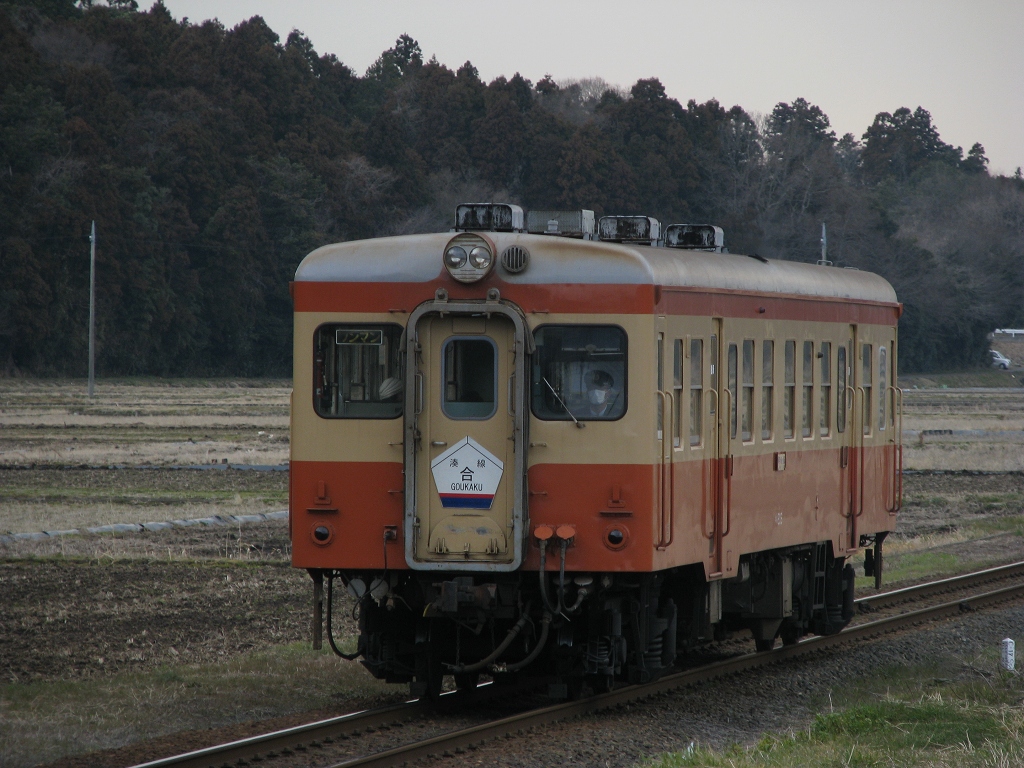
<point x="470" y="378"/>
<point x="696" y="389"/>
<point x="677" y="392"/>
<point x="841" y="383"/>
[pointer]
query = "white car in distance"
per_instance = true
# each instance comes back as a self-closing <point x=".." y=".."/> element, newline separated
<point x="999" y="360"/>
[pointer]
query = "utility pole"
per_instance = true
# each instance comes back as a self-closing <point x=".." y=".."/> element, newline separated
<point x="823" y="261"/>
<point x="92" y="310"/>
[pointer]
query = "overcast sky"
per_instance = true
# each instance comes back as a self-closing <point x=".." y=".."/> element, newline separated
<point x="962" y="61"/>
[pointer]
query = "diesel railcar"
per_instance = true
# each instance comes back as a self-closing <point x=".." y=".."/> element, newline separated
<point x="535" y="444"/>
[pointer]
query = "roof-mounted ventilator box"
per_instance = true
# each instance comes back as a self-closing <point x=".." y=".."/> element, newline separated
<point x="695" y="237"/>
<point x="579" y="224"/>
<point x="488" y="217"/>
<point x="640" y="230"/>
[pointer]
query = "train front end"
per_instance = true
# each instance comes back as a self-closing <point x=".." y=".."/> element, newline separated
<point x="410" y="440"/>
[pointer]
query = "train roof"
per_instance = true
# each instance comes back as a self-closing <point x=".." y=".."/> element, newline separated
<point x="556" y="260"/>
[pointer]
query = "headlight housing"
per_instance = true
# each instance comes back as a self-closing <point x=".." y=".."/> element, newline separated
<point x="468" y="257"/>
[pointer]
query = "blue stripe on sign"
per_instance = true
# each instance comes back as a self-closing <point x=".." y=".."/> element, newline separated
<point x="467" y="502"/>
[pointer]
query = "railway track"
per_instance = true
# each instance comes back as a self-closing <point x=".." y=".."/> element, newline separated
<point x="314" y="735"/>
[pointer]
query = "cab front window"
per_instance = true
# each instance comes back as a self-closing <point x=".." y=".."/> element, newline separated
<point x="357" y="371"/>
<point x="579" y="372"/>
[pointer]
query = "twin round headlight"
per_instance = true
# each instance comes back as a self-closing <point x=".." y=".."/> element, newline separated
<point x="456" y="257"/>
<point x="468" y="259"/>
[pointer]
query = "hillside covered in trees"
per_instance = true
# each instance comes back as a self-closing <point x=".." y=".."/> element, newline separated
<point x="214" y="159"/>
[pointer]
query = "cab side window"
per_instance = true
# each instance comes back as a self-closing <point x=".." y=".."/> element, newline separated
<point x="357" y="371"/>
<point x="579" y="372"/>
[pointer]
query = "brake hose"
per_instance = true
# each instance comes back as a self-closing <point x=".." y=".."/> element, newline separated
<point x="330" y="624"/>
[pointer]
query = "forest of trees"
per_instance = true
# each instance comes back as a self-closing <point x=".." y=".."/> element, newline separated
<point x="214" y="159"/>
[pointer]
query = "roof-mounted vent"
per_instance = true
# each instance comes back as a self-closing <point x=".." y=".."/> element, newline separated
<point x="642" y="230"/>
<point x="695" y="237"/>
<point x="561" y="223"/>
<point x="488" y="217"/>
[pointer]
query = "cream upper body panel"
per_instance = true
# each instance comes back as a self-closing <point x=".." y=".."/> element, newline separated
<point x="316" y="438"/>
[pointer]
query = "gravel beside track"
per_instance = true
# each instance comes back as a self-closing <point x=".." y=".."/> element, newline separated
<point x="816" y="666"/>
<point x="739" y="709"/>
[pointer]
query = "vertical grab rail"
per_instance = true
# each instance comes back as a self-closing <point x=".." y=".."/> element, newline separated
<point x="860" y="450"/>
<point x="713" y="425"/>
<point x="851" y="404"/>
<point x="726" y="473"/>
<point x="897" y="459"/>
<point x="667" y="499"/>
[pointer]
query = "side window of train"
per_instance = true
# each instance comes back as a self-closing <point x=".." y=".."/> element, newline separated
<point x="841" y="383"/>
<point x="696" y="390"/>
<point x="357" y="371"/>
<point x="866" y="381"/>
<point x="713" y="362"/>
<point x="807" y="426"/>
<point x="825" y="355"/>
<point x="767" y="388"/>
<point x="579" y="371"/>
<point x="882" y="388"/>
<point x="747" y="423"/>
<point x="732" y="385"/>
<point x="677" y="393"/>
<point x="659" y="351"/>
<point x="789" y="393"/>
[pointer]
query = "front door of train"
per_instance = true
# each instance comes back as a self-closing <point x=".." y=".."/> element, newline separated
<point x="464" y="437"/>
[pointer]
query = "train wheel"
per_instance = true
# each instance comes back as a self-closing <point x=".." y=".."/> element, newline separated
<point x="429" y="673"/>
<point x="790" y="633"/>
<point x="466" y="681"/>
<point x="601" y="683"/>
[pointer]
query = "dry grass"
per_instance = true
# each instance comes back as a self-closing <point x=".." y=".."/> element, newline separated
<point x="154" y="422"/>
<point x="988" y="430"/>
<point x="61" y="499"/>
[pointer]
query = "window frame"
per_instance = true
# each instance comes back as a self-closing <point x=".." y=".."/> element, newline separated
<point x="335" y="326"/>
<point x="623" y="392"/>
<point x="767" y="390"/>
<point x="443" y="388"/>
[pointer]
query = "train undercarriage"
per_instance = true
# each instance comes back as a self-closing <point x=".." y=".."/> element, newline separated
<point x="585" y="629"/>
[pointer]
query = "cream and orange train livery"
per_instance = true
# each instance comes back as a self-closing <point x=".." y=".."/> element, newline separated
<point x="527" y="445"/>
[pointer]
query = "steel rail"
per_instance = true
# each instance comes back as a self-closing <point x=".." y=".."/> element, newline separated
<point x="469" y="738"/>
<point x="943" y="585"/>
<point x="341" y="727"/>
<point x="288" y="738"/>
<point x="277" y="742"/>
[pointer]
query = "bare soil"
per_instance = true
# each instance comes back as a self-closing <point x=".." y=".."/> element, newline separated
<point x="66" y="618"/>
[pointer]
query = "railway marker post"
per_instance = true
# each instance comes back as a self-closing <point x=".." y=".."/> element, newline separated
<point x="1009" y="654"/>
<point x="92" y="309"/>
